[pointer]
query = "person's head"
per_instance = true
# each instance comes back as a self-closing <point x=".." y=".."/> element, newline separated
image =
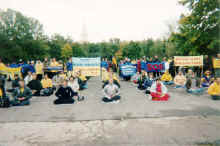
<point x="21" y="83"/>
<point x="164" y="59"/>
<point x="46" y="59"/>
<point x="34" y="76"/>
<point x="143" y="72"/>
<point x="29" y="73"/>
<point x="38" y="62"/>
<point x="64" y="83"/>
<point x="46" y="76"/>
<point x="190" y="72"/>
<point x="158" y="80"/>
<point x="16" y="76"/>
<point x="70" y="59"/>
<point x="167" y="72"/>
<point x="54" y="59"/>
<point x="151" y="75"/>
<point x="218" y="55"/>
<point x="180" y="73"/>
<point x="208" y="73"/>
<point x="71" y="78"/>
<point x="32" y="62"/>
<point x="156" y="57"/>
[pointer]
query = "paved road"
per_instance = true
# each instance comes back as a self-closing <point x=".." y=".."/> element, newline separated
<point x="183" y="120"/>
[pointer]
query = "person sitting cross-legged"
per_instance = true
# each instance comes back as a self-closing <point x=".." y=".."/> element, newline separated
<point x="167" y="78"/>
<point x="180" y="80"/>
<point x="47" y="86"/>
<point x="21" y="95"/>
<point x="207" y="79"/>
<point x="159" y="91"/>
<point x="111" y="92"/>
<point x="35" y="85"/>
<point x="65" y="94"/>
<point x="193" y="84"/>
<point x="141" y="81"/>
<point x="214" y="89"/>
<point x="82" y="80"/>
<point x="148" y="82"/>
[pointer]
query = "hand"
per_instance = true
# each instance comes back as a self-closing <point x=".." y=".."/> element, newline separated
<point x="21" y="98"/>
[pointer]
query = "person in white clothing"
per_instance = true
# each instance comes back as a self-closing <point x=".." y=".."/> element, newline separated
<point x="28" y="78"/>
<point x="111" y="92"/>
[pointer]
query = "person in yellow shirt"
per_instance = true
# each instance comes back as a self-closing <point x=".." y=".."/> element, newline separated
<point x="82" y="80"/>
<point x="214" y="89"/>
<point x="39" y="70"/>
<point x="167" y="78"/>
<point x="47" y="86"/>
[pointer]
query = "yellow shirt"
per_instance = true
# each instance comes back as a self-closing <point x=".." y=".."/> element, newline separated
<point x="46" y="83"/>
<point x="214" y="89"/>
<point x="106" y="77"/>
<point x="54" y="64"/>
<point x="166" y="77"/>
<point x="39" y="68"/>
<point x="22" y="90"/>
<point x="82" y="77"/>
<point x="1" y="93"/>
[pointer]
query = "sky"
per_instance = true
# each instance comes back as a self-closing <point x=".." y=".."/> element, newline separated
<point x="101" y="19"/>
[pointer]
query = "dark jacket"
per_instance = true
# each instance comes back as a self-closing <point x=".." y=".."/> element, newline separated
<point x="27" y="94"/>
<point x="15" y="83"/>
<point x="35" y="85"/>
<point x="65" y="93"/>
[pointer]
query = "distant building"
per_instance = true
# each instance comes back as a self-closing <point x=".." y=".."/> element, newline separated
<point x="84" y="34"/>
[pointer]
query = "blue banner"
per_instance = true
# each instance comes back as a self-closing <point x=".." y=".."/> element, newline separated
<point x="128" y="70"/>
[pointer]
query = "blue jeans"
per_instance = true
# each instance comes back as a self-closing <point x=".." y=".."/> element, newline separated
<point x="195" y="91"/>
<point x="215" y="97"/>
<point x="168" y="83"/>
<point x="179" y="86"/>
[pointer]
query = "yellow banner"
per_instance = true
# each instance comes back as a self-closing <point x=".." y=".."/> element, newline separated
<point x="9" y="71"/>
<point x="216" y="63"/>
<point x="88" y="71"/>
<point x="188" y="60"/>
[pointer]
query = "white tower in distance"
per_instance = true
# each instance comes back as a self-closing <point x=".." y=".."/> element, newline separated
<point x="84" y="33"/>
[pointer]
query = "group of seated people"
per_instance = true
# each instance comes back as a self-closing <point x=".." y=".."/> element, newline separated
<point x="23" y="89"/>
<point x="190" y="82"/>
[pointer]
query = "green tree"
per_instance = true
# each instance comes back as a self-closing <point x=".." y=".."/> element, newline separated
<point x="66" y="52"/>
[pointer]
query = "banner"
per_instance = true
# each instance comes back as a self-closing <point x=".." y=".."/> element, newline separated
<point x="128" y="70"/>
<point x="9" y="71"/>
<point x="188" y="60"/>
<point x="216" y="63"/>
<point x="155" y="67"/>
<point x="88" y="66"/>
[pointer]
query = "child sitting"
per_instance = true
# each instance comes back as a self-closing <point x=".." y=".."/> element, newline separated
<point x="207" y="79"/>
<point x="167" y="78"/>
<point x="180" y="80"/>
<point x="214" y="89"/>
<point x="159" y="91"/>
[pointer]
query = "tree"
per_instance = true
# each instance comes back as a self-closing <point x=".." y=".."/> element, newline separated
<point x="199" y="30"/>
<point x="66" y="52"/>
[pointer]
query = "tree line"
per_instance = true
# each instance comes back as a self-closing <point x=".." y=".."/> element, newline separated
<point x="23" y="37"/>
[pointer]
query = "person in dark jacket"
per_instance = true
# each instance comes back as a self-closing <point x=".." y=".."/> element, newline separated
<point x="65" y="94"/>
<point x="21" y="95"/>
<point x="4" y="99"/>
<point x="35" y="85"/>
